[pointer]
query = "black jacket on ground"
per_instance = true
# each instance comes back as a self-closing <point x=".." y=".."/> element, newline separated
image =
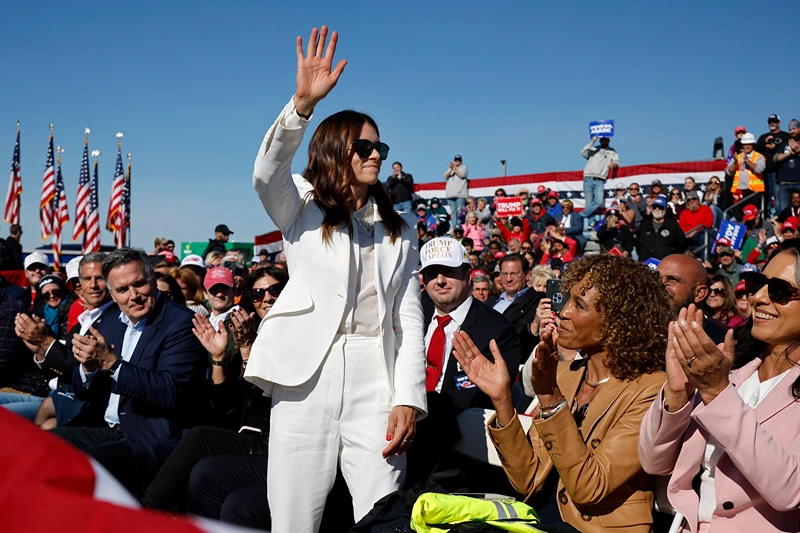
<point x="669" y="239"/>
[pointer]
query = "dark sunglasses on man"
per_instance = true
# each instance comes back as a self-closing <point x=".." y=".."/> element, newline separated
<point x="258" y="294"/>
<point x="364" y="148"/>
<point x="780" y="291"/>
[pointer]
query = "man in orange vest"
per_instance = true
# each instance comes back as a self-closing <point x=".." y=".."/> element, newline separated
<point x="747" y="169"/>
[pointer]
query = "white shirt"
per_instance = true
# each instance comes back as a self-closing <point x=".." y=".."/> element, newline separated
<point x="216" y="320"/>
<point x="459" y="314"/>
<point x="752" y="392"/>
<point x="85" y="319"/>
<point x="361" y="315"/>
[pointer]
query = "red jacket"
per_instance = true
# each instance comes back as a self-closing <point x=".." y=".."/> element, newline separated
<point x="690" y="220"/>
<point x="520" y="236"/>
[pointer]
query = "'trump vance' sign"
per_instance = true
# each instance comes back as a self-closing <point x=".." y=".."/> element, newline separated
<point x="601" y="128"/>
<point x="508" y="207"/>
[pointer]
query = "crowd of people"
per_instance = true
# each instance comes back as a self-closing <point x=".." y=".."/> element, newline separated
<point x="276" y="392"/>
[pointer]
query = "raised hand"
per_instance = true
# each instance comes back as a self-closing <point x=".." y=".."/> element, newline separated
<point x="491" y="378"/>
<point x="216" y="342"/>
<point x="678" y="389"/>
<point x="315" y="79"/>
<point x="705" y="364"/>
<point x="545" y="363"/>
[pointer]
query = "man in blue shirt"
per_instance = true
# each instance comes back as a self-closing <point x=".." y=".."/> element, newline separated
<point x="142" y="367"/>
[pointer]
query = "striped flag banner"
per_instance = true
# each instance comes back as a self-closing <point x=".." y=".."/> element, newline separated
<point x="36" y="466"/>
<point x="14" y="188"/>
<point x="569" y="185"/>
<point x="272" y="242"/>
<point x="48" y="193"/>
<point x="114" y="221"/>
<point x="91" y="237"/>
<point x="60" y="216"/>
<point x="82" y="200"/>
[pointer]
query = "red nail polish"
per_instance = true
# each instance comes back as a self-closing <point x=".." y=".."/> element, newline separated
<point x="388" y="438"/>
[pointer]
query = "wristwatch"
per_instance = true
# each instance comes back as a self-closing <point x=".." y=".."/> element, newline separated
<point x="115" y="365"/>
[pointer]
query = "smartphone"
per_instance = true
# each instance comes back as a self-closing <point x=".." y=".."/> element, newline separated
<point x="557" y="298"/>
<point x="230" y="265"/>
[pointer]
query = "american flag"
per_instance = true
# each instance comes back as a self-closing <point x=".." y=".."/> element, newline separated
<point x="91" y="237"/>
<point x="125" y="210"/>
<point x="60" y="216"/>
<point x="14" y="188"/>
<point x="82" y="201"/>
<point x="115" y="212"/>
<point x="48" y="193"/>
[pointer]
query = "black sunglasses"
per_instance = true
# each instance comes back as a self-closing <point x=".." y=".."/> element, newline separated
<point x="719" y="292"/>
<point x="726" y="254"/>
<point x="258" y="294"/>
<point x="780" y="291"/>
<point x="50" y="295"/>
<point x="364" y="148"/>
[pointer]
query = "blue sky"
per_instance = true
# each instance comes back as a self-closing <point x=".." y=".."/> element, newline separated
<point x="194" y="86"/>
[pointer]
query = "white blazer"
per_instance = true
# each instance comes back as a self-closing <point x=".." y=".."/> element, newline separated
<point x="295" y="336"/>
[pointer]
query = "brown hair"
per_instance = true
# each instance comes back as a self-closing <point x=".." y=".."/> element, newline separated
<point x="728" y="309"/>
<point x="191" y="280"/>
<point x="634" y="309"/>
<point x="330" y="172"/>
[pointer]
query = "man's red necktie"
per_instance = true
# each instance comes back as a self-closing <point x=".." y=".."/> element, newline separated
<point x="435" y="357"/>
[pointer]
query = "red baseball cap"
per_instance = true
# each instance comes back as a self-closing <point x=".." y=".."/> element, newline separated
<point x="724" y="242"/>
<point x="739" y="129"/>
<point x="741" y="286"/>
<point x="791" y="222"/>
<point x="217" y="276"/>
<point x="552" y="194"/>
<point x="169" y="256"/>
<point x="750" y="212"/>
<point x="477" y="272"/>
<point x="540" y="189"/>
<point x="535" y="200"/>
<point x="499" y="255"/>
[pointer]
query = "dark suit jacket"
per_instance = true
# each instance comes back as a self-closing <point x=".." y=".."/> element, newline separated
<point x="59" y="361"/>
<point x="482" y="324"/>
<point x="16" y="252"/>
<point x="522" y="311"/>
<point x="158" y="386"/>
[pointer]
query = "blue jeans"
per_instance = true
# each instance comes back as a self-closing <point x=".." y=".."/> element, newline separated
<point x="455" y="208"/>
<point x="25" y="405"/>
<point x="594" y="191"/>
<point x="403" y="207"/>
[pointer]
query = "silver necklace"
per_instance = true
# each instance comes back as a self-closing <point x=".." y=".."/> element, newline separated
<point x="365" y="217"/>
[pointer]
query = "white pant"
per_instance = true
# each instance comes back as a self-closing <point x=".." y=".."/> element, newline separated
<point x="340" y="415"/>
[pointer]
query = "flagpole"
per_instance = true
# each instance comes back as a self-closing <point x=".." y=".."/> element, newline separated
<point x="57" y="245"/>
<point x="128" y="214"/>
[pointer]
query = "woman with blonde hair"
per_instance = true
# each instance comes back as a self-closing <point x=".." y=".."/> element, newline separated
<point x="475" y="230"/>
<point x="341" y="352"/>
<point x="540" y="275"/>
<point x="191" y="289"/>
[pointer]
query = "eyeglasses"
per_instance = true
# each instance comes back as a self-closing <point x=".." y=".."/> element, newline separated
<point x="50" y="295"/>
<point x="658" y="208"/>
<point x="780" y="291"/>
<point x="741" y="294"/>
<point x="718" y="292"/>
<point x="714" y="183"/>
<point x="258" y="294"/>
<point x="511" y="274"/>
<point x="364" y="148"/>
<point x="726" y="254"/>
<point x="694" y="199"/>
<point x="633" y="190"/>
<point x="676" y="194"/>
<point x="527" y="248"/>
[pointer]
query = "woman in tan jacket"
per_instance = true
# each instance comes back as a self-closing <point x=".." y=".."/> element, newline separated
<point x="586" y="430"/>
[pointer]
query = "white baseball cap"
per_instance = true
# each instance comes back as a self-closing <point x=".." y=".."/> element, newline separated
<point x="74" y="267"/>
<point x="444" y="251"/>
<point x="34" y="258"/>
<point x="193" y="260"/>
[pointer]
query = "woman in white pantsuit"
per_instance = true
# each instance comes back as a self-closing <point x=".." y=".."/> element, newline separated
<point x="341" y="352"/>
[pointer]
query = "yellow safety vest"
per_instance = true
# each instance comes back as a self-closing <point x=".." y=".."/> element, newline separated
<point x="432" y="510"/>
<point x="756" y="183"/>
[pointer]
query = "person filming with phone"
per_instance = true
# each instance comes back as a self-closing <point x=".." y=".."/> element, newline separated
<point x="585" y="430"/>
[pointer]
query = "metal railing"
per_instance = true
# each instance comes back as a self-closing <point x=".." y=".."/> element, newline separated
<point x="742" y="201"/>
<point x="703" y="248"/>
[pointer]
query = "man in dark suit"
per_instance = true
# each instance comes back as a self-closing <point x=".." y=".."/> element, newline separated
<point x="450" y="308"/>
<point x="518" y="302"/>
<point x="143" y="366"/>
<point x="56" y="360"/>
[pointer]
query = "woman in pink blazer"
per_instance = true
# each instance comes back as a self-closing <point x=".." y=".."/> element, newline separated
<point x="475" y="230"/>
<point x="730" y="440"/>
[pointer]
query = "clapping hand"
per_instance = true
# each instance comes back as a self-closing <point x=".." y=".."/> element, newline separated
<point x="705" y="365"/>
<point x="215" y="342"/>
<point x="545" y="363"/>
<point x="314" y="76"/>
<point x="491" y="378"/>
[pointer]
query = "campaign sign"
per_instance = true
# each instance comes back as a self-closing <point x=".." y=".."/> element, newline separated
<point x="652" y="263"/>
<point x="508" y="207"/>
<point x="733" y="231"/>
<point x="601" y="128"/>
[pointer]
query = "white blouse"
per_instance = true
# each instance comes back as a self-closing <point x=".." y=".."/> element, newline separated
<point x="752" y="391"/>
<point x="361" y="312"/>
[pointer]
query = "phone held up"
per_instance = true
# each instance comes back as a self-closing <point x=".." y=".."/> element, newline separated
<point x="557" y="298"/>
